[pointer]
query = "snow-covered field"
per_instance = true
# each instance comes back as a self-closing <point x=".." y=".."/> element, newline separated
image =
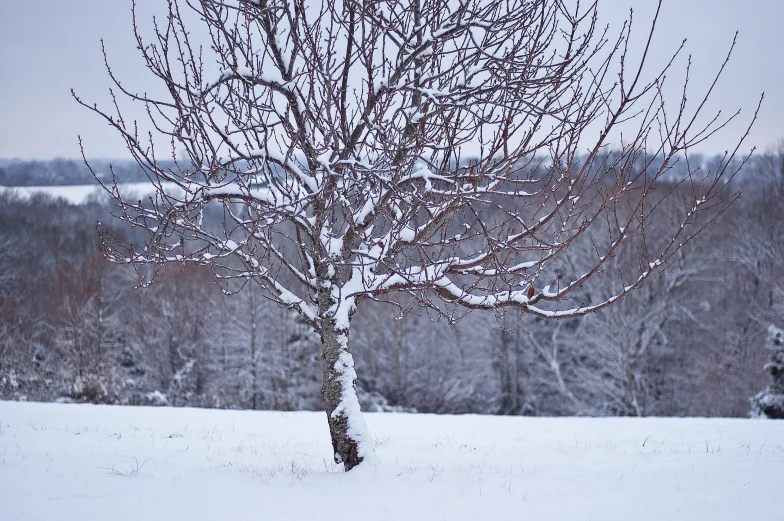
<point x="89" y="463"/>
<point x="79" y="194"/>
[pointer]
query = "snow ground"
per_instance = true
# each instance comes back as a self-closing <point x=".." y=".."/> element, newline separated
<point x="88" y="463"/>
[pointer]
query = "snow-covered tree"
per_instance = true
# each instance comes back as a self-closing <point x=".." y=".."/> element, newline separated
<point x="9" y="325"/>
<point x="770" y="402"/>
<point x="361" y="148"/>
<point x="84" y="325"/>
<point x="761" y="256"/>
<point x="610" y="351"/>
<point x="410" y="359"/>
<point x="265" y="354"/>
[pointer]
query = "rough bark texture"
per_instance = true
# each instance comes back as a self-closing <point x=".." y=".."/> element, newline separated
<point x="346" y="449"/>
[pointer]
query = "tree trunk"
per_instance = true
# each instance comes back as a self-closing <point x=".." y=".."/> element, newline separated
<point x="351" y="439"/>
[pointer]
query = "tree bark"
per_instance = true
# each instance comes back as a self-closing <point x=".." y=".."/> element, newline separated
<point x="351" y="440"/>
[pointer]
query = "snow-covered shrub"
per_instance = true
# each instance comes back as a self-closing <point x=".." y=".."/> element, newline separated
<point x="374" y="401"/>
<point x="156" y="398"/>
<point x="90" y="388"/>
<point x="186" y="384"/>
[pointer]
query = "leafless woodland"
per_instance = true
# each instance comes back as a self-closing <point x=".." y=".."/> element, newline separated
<point x="694" y="339"/>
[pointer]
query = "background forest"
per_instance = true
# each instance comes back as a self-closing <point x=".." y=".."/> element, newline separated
<point x="691" y="342"/>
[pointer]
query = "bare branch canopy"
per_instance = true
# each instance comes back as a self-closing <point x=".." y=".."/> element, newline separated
<point x="452" y="150"/>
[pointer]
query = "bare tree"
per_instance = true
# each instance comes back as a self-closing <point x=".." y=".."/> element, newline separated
<point x="10" y="325"/>
<point x="265" y="345"/>
<point x="361" y="148"/>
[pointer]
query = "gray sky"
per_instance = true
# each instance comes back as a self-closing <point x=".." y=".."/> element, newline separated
<point x="48" y="47"/>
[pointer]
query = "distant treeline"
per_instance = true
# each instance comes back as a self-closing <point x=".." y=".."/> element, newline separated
<point x="693" y="341"/>
<point x="57" y="172"/>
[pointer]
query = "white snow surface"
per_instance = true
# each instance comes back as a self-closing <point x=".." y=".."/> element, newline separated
<point x="86" y="462"/>
<point x="80" y="194"/>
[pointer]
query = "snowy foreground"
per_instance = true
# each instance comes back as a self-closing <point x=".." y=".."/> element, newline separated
<point x="90" y="463"/>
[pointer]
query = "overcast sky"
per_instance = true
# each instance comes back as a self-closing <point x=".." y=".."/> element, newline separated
<point x="48" y="47"/>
